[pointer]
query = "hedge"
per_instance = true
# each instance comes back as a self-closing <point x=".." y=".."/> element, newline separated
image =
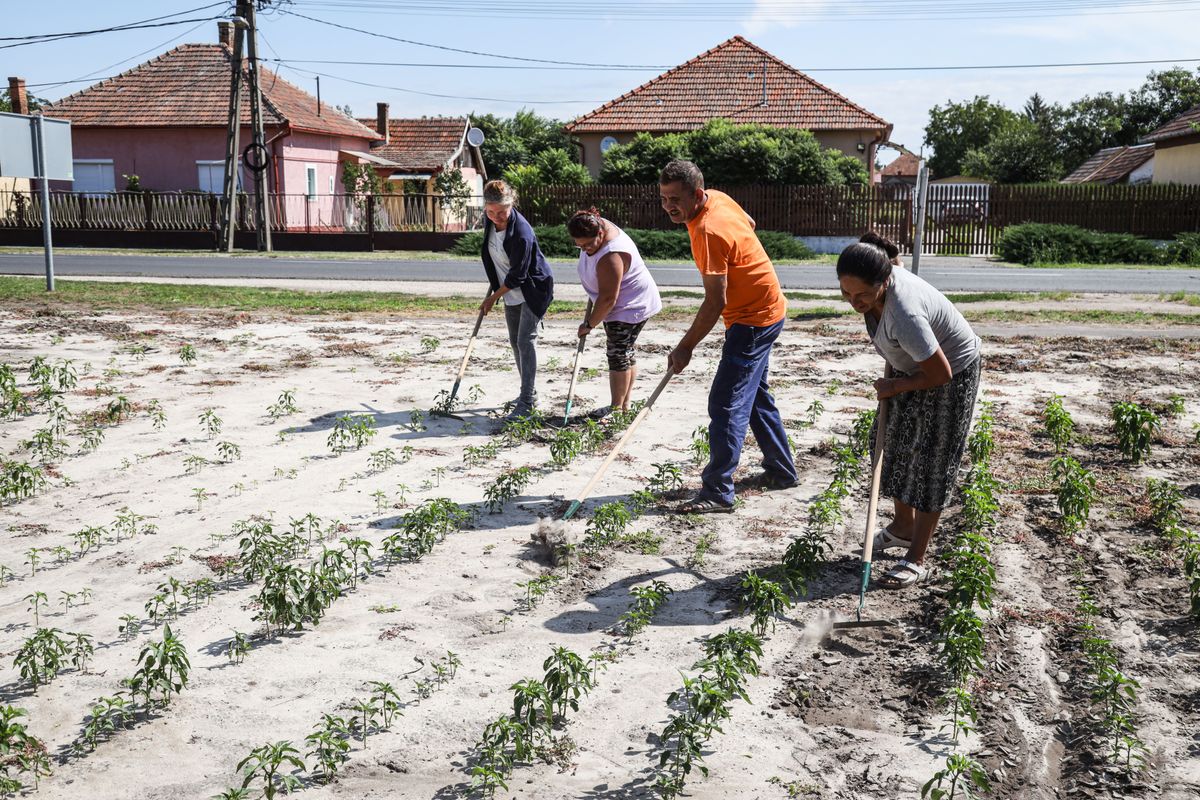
<point x="1041" y="243"/>
<point x="665" y="245"/>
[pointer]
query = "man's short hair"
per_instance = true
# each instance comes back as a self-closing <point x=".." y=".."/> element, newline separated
<point x="682" y="171"/>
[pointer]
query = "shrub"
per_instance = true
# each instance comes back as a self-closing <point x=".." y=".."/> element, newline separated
<point x="1041" y="243"/>
<point x="670" y="244"/>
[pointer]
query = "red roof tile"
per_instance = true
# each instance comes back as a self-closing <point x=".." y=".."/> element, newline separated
<point x="904" y="166"/>
<point x="728" y="81"/>
<point x="1179" y="126"/>
<point x="1111" y="165"/>
<point x="188" y="87"/>
<point x="420" y="145"/>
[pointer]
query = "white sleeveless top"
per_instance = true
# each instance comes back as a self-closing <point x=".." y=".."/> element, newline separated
<point x="637" y="296"/>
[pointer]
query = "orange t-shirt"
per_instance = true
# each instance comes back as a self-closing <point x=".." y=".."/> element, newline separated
<point x="723" y="243"/>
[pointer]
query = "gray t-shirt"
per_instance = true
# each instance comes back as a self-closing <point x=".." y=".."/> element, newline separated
<point x="918" y="319"/>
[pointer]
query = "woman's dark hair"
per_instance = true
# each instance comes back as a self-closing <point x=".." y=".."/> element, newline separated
<point x="585" y="223"/>
<point x="867" y="262"/>
<point x="882" y="242"/>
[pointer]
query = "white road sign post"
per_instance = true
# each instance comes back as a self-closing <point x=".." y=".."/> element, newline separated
<point x="37" y="147"/>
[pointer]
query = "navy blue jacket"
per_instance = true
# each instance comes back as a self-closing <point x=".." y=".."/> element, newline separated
<point x="529" y="271"/>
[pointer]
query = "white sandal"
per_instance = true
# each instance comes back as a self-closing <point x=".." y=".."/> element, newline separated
<point x="904" y="574"/>
<point x="885" y="539"/>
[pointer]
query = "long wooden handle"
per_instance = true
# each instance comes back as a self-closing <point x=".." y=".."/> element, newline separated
<point x="462" y="368"/>
<point x="587" y="315"/>
<point x="881" y="418"/>
<point x="633" y="426"/>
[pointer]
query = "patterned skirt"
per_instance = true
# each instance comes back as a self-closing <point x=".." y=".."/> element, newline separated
<point x="926" y="435"/>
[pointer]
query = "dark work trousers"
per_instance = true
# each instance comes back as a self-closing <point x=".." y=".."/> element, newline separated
<point x="739" y="398"/>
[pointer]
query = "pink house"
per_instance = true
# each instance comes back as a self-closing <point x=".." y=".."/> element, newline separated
<point x="165" y="120"/>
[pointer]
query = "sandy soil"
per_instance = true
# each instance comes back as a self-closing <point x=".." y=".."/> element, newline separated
<point x="848" y="716"/>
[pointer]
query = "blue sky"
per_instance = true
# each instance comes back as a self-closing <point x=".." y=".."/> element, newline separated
<point x="605" y="32"/>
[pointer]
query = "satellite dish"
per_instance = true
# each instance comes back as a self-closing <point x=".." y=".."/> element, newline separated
<point x="474" y="137"/>
<point x="607" y="142"/>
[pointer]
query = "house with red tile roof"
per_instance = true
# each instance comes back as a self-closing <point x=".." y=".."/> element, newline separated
<point x="1177" y="149"/>
<point x="738" y="81"/>
<point x="165" y="121"/>
<point x="902" y="170"/>
<point x="416" y="151"/>
<point x="1122" y="164"/>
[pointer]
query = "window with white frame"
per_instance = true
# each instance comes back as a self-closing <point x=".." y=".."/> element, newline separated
<point x="94" y="175"/>
<point x="310" y="173"/>
<point x="210" y="176"/>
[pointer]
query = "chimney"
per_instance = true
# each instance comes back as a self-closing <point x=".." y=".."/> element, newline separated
<point x="17" y="96"/>
<point x="381" y="121"/>
<point x="225" y="34"/>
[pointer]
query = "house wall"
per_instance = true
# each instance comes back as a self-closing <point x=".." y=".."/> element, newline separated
<point x="1177" y="163"/>
<point x="845" y="141"/>
<point x="1143" y="174"/>
<point x="164" y="159"/>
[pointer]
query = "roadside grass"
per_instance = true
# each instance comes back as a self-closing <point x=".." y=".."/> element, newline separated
<point x="1077" y="265"/>
<point x="125" y="296"/>
<point x="1187" y="298"/>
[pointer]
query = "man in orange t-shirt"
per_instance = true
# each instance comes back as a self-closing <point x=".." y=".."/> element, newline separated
<point x="740" y="285"/>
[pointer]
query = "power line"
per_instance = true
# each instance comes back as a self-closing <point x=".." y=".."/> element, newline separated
<point x="91" y="76"/>
<point x="379" y="35"/>
<point x="445" y="96"/>
<point x="619" y="68"/>
<point x="782" y="11"/>
<point x="24" y="41"/>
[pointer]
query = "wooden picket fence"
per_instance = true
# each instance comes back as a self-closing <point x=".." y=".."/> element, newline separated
<point x="961" y="219"/>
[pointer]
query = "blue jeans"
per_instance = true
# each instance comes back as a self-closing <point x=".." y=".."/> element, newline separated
<point x="739" y="398"/>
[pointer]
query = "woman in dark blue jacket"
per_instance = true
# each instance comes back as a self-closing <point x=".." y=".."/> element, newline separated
<point x="516" y="271"/>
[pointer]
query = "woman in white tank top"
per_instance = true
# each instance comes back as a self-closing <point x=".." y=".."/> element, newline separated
<point x="623" y="295"/>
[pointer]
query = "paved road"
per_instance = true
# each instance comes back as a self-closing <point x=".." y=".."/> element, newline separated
<point x="948" y="274"/>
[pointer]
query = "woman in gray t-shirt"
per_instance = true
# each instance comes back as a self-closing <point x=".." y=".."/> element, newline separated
<point x="933" y="356"/>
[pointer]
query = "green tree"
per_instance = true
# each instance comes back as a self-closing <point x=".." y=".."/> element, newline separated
<point x="557" y="167"/>
<point x="733" y="154"/>
<point x="957" y="128"/>
<point x="518" y="139"/>
<point x="34" y="102"/>
<point x="1020" y="152"/>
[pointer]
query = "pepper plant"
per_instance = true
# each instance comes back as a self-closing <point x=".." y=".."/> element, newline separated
<point x="765" y="600"/>
<point x="42" y="656"/>
<point x="568" y="677"/>
<point x="1135" y="427"/>
<point x="265" y="763"/>
<point x="506" y="486"/>
<point x="647" y="602"/>
<point x="329" y="745"/>
<point x="162" y="670"/>
<point x="1076" y="492"/>
<point x="1059" y="425"/>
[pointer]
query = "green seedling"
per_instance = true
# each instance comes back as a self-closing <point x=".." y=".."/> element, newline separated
<point x="366" y="716"/>
<point x="382" y="459"/>
<point x="606" y="524"/>
<point x="508" y="484"/>
<point x="646" y="603"/>
<point x="19" y="481"/>
<point x="812" y="414"/>
<point x="963" y="778"/>
<point x="1075" y="493"/>
<point x="210" y="423"/>
<point x="1166" y="504"/>
<point x="239" y="645"/>
<point x="568" y="677"/>
<point x="81" y="651"/>
<point x="1059" y="425"/>
<point x="36" y="600"/>
<point x="187" y="354"/>
<point x="42" y="656"/>
<point x="330" y="746"/>
<point x="429" y="344"/>
<point x="765" y="600"/>
<point x="157" y="415"/>
<point x="228" y="452"/>
<point x="200" y="494"/>
<point x="162" y="670"/>
<point x="668" y="476"/>
<point x="539" y="587"/>
<point x="118" y="409"/>
<point x="351" y="432"/>
<point x="1135" y="427"/>
<point x="416" y="420"/>
<point x="264" y="764"/>
<point x="699" y="554"/>
<point x="92" y="439"/>
<point x="699" y="445"/>
<point x="284" y="406"/>
<point x="20" y="752"/>
<point x="384" y="694"/>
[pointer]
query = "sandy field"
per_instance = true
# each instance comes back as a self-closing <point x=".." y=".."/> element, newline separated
<point x="852" y="715"/>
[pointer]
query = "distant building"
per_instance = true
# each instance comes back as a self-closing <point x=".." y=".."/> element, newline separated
<point x="738" y="81"/>
<point x="1177" y="149"/>
<point x="1126" y="164"/>
<point x="901" y="171"/>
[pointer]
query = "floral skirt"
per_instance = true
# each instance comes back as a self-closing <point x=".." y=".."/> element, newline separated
<point x="925" y="438"/>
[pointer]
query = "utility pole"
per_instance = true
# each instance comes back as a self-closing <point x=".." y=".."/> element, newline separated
<point x="233" y="132"/>
<point x="261" y="162"/>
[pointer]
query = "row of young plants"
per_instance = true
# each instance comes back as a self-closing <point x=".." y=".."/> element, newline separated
<point x="1112" y="692"/>
<point x="279" y="766"/>
<point x="540" y="706"/>
<point x="972" y="577"/>
<point x="1165" y="500"/>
